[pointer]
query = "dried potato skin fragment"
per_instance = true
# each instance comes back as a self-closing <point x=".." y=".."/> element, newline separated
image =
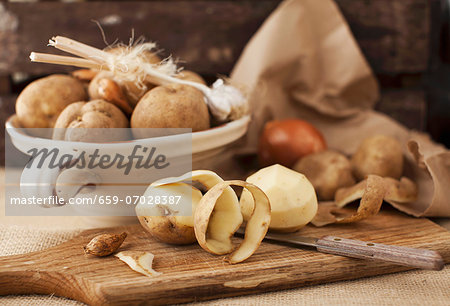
<point x="214" y="239"/>
<point x="400" y="191"/>
<point x="324" y="215"/>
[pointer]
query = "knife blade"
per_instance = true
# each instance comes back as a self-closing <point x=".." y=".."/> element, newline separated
<point x="406" y="256"/>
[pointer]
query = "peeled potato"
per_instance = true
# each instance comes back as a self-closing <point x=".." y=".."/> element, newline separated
<point x="170" y="106"/>
<point x="379" y="155"/>
<point x="41" y="102"/>
<point x="327" y="171"/>
<point x="292" y="197"/>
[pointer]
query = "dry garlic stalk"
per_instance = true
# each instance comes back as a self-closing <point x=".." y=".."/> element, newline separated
<point x="225" y="101"/>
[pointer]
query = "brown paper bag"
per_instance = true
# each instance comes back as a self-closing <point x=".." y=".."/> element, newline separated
<point x="304" y="63"/>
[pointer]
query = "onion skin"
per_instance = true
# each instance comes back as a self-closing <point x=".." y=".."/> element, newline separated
<point x="286" y="141"/>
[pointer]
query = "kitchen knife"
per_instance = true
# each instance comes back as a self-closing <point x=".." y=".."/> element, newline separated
<point x="406" y="256"/>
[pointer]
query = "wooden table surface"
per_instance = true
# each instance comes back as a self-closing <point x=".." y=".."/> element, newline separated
<point x="78" y="222"/>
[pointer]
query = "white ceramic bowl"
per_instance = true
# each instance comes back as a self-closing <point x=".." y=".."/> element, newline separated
<point x="207" y="149"/>
<point x="215" y="139"/>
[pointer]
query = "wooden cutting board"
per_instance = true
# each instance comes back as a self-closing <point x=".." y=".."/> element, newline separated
<point x="191" y="274"/>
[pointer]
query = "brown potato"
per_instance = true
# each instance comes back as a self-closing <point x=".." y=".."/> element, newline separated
<point x="327" y="171"/>
<point x="90" y="122"/>
<point x="188" y="75"/>
<point x="168" y="229"/>
<point x="170" y="106"/>
<point x="173" y="224"/>
<point x="41" y="102"/>
<point x="380" y="155"/>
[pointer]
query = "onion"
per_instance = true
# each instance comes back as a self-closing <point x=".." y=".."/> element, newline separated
<point x="286" y="141"/>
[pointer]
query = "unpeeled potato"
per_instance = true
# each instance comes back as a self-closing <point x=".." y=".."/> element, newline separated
<point x="379" y="155"/>
<point x="328" y="171"/>
<point x="173" y="227"/>
<point x="170" y="106"/>
<point x="91" y="122"/>
<point x="174" y="224"/>
<point x="41" y="102"/>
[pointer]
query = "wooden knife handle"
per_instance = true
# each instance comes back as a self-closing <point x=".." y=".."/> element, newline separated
<point x="418" y="258"/>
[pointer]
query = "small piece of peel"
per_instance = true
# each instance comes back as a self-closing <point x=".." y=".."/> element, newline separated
<point x="139" y="261"/>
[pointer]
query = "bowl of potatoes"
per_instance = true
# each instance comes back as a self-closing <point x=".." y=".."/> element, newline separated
<point x="49" y="109"/>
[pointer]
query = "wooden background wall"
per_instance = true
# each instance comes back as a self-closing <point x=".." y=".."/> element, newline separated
<point x="395" y="36"/>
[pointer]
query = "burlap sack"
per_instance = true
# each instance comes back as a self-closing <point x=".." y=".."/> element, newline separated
<point x="304" y="62"/>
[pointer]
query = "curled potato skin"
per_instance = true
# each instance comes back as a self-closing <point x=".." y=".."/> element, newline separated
<point x="371" y="200"/>
<point x="371" y="191"/>
<point x="257" y="225"/>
